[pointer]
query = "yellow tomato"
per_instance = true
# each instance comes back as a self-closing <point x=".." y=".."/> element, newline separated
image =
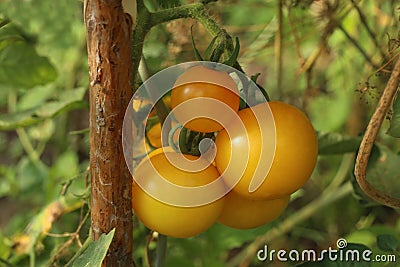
<point x="202" y="97"/>
<point x="242" y="213"/>
<point x="154" y="135"/>
<point x="293" y="158"/>
<point x="166" y="209"/>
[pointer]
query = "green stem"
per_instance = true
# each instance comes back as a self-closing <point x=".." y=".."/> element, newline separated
<point x="32" y="258"/>
<point x="179" y="12"/>
<point x="4" y="22"/>
<point x="161" y="109"/>
<point x="326" y="199"/>
<point x="147" y="20"/>
<point x="279" y="49"/>
<point x="182" y="141"/>
<point x="345" y="166"/>
<point x="85" y="245"/>
<point x="368" y="28"/>
<point x="195" y="11"/>
<point x="161" y="251"/>
<point x="138" y="36"/>
<point x="5" y="263"/>
<point x="23" y="136"/>
<point x="357" y="46"/>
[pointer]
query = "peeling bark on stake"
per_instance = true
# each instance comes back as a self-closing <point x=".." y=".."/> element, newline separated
<point x="109" y="33"/>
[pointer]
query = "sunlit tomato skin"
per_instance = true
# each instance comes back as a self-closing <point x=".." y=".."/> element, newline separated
<point x="171" y="220"/>
<point x="240" y="212"/>
<point x="201" y="83"/>
<point x="294" y="159"/>
<point x="154" y="135"/>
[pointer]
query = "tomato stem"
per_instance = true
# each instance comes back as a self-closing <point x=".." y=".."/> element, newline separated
<point x="171" y="142"/>
<point x="161" y="251"/>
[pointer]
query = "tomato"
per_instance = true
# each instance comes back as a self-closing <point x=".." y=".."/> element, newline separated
<point x="209" y="99"/>
<point x="292" y="160"/>
<point x="160" y="151"/>
<point x="242" y="213"/>
<point x="154" y="135"/>
<point x="154" y="202"/>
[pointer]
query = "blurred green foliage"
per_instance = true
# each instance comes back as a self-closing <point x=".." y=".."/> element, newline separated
<point x="329" y="59"/>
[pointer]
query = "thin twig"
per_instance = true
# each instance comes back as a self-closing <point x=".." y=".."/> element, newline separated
<point x="369" y="30"/>
<point x="147" y="249"/>
<point x="310" y="61"/>
<point x="370" y="136"/>
<point x="278" y="49"/>
<point x="297" y="41"/>
<point x="382" y="68"/>
<point x="73" y="236"/>
<point x="359" y="48"/>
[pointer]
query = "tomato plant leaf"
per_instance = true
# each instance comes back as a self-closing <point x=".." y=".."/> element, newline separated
<point x="4" y="248"/>
<point x="9" y="34"/>
<point x="209" y="48"/>
<point x="335" y="143"/>
<point x="386" y="242"/>
<point x="196" y="51"/>
<point x="95" y="252"/>
<point x="233" y="58"/>
<point x="394" y="129"/>
<point x="383" y="172"/>
<point x="68" y="100"/>
<point x="22" y="66"/>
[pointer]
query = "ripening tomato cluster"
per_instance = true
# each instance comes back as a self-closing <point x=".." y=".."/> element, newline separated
<point x="277" y="152"/>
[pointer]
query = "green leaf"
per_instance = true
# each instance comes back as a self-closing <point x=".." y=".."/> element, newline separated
<point x="36" y="96"/>
<point x="4" y="248"/>
<point x="8" y="183"/>
<point x="208" y="51"/>
<point x="43" y="131"/>
<point x="21" y="66"/>
<point x="394" y="129"/>
<point x="335" y="143"/>
<point x="9" y="34"/>
<point x="196" y="51"/>
<point x="383" y="172"/>
<point x="95" y="252"/>
<point x="68" y="100"/>
<point x="31" y="175"/>
<point x="65" y="167"/>
<point x="233" y="58"/>
<point x="387" y="243"/>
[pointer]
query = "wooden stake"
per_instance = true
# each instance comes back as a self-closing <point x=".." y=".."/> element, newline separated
<point x="109" y="32"/>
